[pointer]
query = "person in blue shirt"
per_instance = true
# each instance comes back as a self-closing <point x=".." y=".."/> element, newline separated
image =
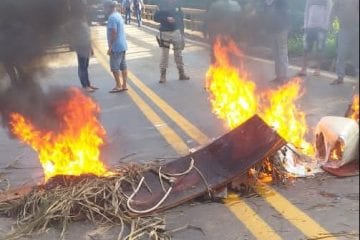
<point x="117" y="46"/>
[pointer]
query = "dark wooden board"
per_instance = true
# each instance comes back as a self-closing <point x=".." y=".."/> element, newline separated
<point x="227" y="157"/>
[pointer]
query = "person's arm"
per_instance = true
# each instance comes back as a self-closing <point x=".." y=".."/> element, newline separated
<point x="113" y="33"/>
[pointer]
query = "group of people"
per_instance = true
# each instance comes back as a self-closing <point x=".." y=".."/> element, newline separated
<point x="170" y="17"/>
<point x="318" y="18"/>
<point x="137" y="6"/>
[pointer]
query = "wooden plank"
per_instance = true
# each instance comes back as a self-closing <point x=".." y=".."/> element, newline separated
<point x="229" y="156"/>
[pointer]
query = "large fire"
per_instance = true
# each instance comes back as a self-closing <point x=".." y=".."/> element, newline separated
<point x="234" y="98"/>
<point x="74" y="148"/>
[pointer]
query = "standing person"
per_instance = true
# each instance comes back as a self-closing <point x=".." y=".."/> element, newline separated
<point x="316" y="26"/>
<point x="347" y="11"/>
<point x="138" y="8"/>
<point x="171" y="20"/>
<point x="277" y="26"/>
<point x="117" y="46"/>
<point x="126" y="6"/>
<point x="80" y="40"/>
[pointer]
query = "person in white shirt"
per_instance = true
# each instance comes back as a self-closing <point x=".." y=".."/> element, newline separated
<point x="316" y="25"/>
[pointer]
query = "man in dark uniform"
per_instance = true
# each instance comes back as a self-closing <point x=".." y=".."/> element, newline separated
<point x="171" y="21"/>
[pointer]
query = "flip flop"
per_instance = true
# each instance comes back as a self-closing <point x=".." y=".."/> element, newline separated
<point x="115" y="90"/>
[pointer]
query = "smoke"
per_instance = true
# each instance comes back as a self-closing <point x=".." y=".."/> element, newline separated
<point x="27" y="29"/>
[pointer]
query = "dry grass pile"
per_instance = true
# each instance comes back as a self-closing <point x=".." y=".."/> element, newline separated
<point x="101" y="200"/>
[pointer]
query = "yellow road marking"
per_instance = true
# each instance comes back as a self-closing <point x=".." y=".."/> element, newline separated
<point x="181" y="121"/>
<point x="242" y="211"/>
<point x="170" y="136"/>
<point x="299" y="219"/>
<point x="253" y="222"/>
<point x="303" y="221"/>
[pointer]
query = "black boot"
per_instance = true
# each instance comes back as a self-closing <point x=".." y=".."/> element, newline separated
<point x="182" y="75"/>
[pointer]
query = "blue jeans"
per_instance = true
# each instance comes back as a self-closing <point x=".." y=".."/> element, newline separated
<point x="347" y="45"/>
<point x="127" y="15"/>
<point x="83" y="64"/>
<point x="138" y="16"/>
<point x="280" y="54"/>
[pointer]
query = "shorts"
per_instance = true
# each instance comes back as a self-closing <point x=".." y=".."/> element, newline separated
<point x="313" y="36"/>
<point x="118" y="61"/>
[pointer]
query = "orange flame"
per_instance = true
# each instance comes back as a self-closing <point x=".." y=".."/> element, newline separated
<point x="355" y="108"/>
<point x="75" y="149"/>
<point x="234" y="98"/>
<point x="233" y="94"/>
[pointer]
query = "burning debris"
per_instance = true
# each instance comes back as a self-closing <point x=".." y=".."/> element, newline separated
<point x="130" y="197"/>
<point x="74" y="147"/>
<point x="234" y="98"/>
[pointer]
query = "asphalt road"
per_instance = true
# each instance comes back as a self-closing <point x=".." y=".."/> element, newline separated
<point x="162" y="121"/>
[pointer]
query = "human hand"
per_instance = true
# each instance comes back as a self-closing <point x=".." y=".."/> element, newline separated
<point x="170" y="19"/>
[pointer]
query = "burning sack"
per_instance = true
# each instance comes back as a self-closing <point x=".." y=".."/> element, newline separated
<point x="337" y="141"/>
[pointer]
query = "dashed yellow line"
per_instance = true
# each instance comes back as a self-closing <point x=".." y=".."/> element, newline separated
<point x="170" y="135"/>
<point x="253" y="222"/>
<point x="294" y="215"/>
<point x="242" y="211"/>
<point x="181" y="121"/>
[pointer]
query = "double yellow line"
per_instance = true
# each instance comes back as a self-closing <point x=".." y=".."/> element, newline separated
<point x="253" y="222"/>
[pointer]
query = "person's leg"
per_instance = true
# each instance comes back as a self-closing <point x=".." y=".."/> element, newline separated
<point x="115" y="61"/>
<point x="127" y="16"/>
<point x="82" y="71"/>
<point x="275" y="53"/>
<point x="342" y="54"/>
<point x="124" y="73"/>
<point x="355" y="52"/>
<point x="87" y="60"/>
<point x="283" y="58"/>
<point x="138" y="17"/>
<point x="164" y="62"/>
<point x="178" y="47"/>
<point x="308" y="46"/>
<point x="320" y="48"/>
